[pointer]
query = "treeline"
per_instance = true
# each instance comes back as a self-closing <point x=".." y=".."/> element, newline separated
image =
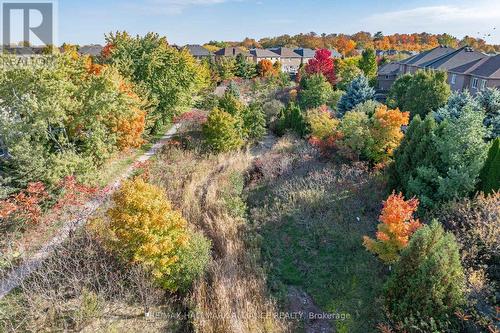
<point x="347" y="44"/>
<point x="68" y="118"/>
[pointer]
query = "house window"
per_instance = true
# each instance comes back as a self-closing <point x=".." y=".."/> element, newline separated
<point x="387" y="77"/>
<point x="483" y="84"/>
<point x="453" y="78"/>
<point x="474" y="83"/>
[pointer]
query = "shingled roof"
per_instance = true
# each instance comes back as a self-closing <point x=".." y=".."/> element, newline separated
<point x="428" y="56"/>
<point x="453" y="59"/>
<point x="197" y="50"/>
<point x="285" y="52"/>
<point x="231" y="52"/>
<point x="263" y="53"/>
<point x="305" y="52"/>
<point x="489" y="68"/>
<point x="92" y="50"/>
<point x="389" y="69"/>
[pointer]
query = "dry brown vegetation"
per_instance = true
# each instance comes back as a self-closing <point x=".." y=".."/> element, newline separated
<point x="232" y="297"/>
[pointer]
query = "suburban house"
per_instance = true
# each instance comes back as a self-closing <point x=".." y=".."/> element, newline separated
<point x="306" y="54"/>
<point x="466" y="68"/>
<point x="263" y="54"/>
<point x="198" y="51"/>
<point x="335" y="54"/>
<point x="387" y="74"/>
<point x="93" y="50"/>
<point x="232" y="52"/>
<point x="290" y="60"/>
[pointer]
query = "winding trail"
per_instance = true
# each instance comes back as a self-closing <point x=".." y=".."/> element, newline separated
<point x="16" y="276"/>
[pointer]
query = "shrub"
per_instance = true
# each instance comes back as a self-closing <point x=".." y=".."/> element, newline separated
<point x="221" y="131"/>
<point x="359" y="91"/>
<point x="321" y="123"/>
<point x="490" y="173"/>
<point x="230" y="103"/>
<point x="355" y="129"/>
<point x="421" y="93"/>
<point x="146" y="230"/>
<point x="254" y="121"/>
<point x="395" y="229"/>
<point x="367" y="107"/>
<point x="272" y="110"/>
<point x="427" y="283"/>
<point x="476" y="225"/>
<point x="314" y="91"/>
<point x="334" y="99"/>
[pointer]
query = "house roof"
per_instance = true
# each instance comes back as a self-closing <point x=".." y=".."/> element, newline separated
<point x="489" y="68"/>
<point x="335" y="53"/>
<point x="231" y="52"/>
<point x="305" y="52"/>
<point x="197" y="50"/>
<point x="389" y="69"/>
<point x="428" y="56"/>
<point x="453" y="59"/>
<point x="263" y="53"/>
<point x="92" y="50"/>
<point x="285" y="52"/>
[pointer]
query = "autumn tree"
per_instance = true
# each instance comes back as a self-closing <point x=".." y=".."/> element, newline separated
<point x="385" y="133"/>
<point x="395" y="229"/>
<point x="322" y="63"/>
<point x="265" y="68"/>
<point x="145" y="229"/>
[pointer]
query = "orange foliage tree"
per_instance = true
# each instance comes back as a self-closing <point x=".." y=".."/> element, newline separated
<point x="395" y="228"/>
<point x="266" y="69"/>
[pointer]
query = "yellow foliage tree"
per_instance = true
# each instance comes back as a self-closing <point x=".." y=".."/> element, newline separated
<point x="386" y="133"/>
<point x="322" y="124"/>
<point x="146" y="230"/>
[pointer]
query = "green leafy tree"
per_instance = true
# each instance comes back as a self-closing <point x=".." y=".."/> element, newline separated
<point x="490" y="174"/>
<point x="347" y="70"/>
<point x="355" y="129"/>
<point x="421" y="93"/>
<point x="358" y="92"/>
<point x="221" y="131"/>
<point x="427" y="283"/>
<point x="171" y="77"/>
<point x="315" y="91"/>
<point x="226" y="68"/>
<point x="368" y="63"/>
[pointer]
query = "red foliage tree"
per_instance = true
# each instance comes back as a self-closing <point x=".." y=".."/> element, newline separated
<point x="322" y="63"/>
<point x="25" y="205"/>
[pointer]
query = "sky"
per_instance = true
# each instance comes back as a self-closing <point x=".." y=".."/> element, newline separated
<point x="199" y="21"/>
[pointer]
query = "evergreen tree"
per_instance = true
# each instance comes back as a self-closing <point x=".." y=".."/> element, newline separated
<point x="457" y="102"/>
<point x="254" y="121"/>
<point x="358" y="92"/>
<point x="291" y="118"/>
<point x="490" y="174"/>
<point x="426" y="286"/>
<point x="490" y="101"/>
<point x="244" y="69"/>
